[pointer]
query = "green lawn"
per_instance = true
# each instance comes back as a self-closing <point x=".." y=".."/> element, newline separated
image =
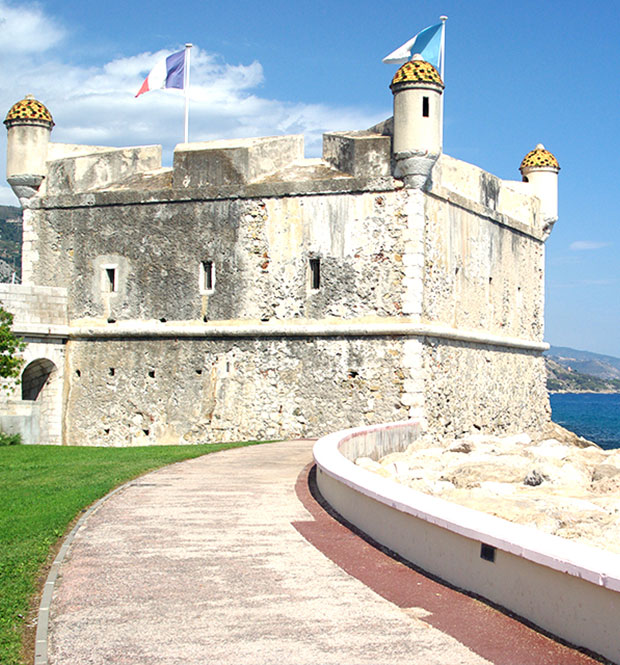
<point x="42" y="488"/>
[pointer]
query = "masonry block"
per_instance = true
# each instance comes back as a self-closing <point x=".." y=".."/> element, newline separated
<point x="233" y="161"/>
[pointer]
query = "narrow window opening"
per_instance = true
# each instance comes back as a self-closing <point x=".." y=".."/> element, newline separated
<point x="228" y="367"/>
<point x="487" y="552"/>
<point x="425" y="107"/>
<point x="110" y="280"/>
<point x="315" y="274"/>
<point x="198" y="371"/>
<point x="146" y="432"/>
<point x="207" y="276"/>
<point x="106" y="430"/>
<point x="152" y="373"/>
<point x="163" y="319"/>
<point x="78" y="373"/>
<point x="112" y="371"/>
<point x="111" y="320"/>
<point x="205" y="318"/>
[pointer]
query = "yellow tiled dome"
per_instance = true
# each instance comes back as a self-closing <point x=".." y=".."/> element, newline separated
<point x="417" y="71"/>
<point x="540" y="157"/>
<point x="29" y="109"/>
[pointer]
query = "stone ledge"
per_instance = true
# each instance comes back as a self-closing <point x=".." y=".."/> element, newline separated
<point x="41" y="330"/>
<point x="477" y="208"/>
<point x="337" y="185"/>
<point x="155" y="329"/>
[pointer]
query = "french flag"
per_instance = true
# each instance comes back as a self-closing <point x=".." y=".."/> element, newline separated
<point x="168" y="73"/>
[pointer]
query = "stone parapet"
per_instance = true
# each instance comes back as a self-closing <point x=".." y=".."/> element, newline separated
<point x="37" y="309"/>
<point x="358" y="153"/>
<point x="233" y="162"/>
<point x="98" y="170"/>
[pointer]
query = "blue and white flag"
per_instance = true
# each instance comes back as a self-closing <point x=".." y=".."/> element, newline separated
<point x="427" y="43"/>
<point x="168" y="73"/>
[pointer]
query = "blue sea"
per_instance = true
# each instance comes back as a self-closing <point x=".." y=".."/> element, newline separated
<point x="594" y="416"/>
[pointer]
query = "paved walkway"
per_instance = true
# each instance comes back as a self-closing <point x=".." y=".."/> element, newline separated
<point x="228" y="559"/>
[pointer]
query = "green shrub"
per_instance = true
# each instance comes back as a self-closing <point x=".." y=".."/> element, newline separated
<point x="10" y="439"/>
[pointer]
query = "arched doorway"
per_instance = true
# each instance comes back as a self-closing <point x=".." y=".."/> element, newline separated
<point x="35" y="377"/>
<point x="42" y="390"/>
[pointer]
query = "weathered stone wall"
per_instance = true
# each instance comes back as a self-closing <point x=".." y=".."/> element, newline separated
<point x="137" y="392"/>
<point x="481" y="274"/>
<point x="260" y="249"/>
<point x="475" y="388"/>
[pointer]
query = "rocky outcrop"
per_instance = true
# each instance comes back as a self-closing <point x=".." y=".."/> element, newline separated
<point x="552" y="480"/>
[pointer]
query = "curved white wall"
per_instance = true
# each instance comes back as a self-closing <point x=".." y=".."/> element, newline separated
<point x="568" y="589"/>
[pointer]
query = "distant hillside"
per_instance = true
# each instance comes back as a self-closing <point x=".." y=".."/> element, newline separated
<point x="10" y="242"/>
<point x="571" y="370"/>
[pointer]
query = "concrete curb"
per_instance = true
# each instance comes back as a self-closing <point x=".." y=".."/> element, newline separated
<point x="40" y="644"/>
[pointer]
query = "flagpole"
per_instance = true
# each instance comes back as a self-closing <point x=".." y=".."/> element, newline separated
<point x="442" y="48"/>
<point x="442" y="52"/>
<point x="186" y="86"/>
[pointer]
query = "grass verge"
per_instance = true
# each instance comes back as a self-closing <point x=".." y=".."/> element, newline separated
<point x="42" y="489"/>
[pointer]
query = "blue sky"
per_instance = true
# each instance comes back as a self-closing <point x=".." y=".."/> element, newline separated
<point x="516" y="74"/>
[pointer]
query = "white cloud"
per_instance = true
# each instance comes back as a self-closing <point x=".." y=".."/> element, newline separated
<point x="581" y="245"/>
<point x="97" y="105"/>
<point x="26" y="29"/>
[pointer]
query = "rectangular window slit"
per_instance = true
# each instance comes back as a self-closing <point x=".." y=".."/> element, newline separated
<point x="315" y="273"/>
<point x="207" y="270"/>
<point x="111" y="370"/>
<point x="487" y="552"/>
<point x="110" y="275"/>
<point x="425" y="107"/>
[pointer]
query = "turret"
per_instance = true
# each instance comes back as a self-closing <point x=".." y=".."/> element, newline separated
<point x="540" y="169"/>
<point x="29" y="125"/>
<point x="417" y="140"/>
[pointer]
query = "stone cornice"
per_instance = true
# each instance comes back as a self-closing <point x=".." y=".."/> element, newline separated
<point x="250" y="329"/>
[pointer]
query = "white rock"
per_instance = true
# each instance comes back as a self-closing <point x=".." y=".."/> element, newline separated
<point x="550" y="451"/>
<point x="440" y="486"/>
<point x="401" y="468"/>
<point x="499" y="489"/>
<point x="522" y="439"/>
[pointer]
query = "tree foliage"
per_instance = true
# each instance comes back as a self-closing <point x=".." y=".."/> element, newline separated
<point x="10" y="347"/>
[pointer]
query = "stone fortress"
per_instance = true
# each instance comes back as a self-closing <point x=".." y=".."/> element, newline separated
<point x="250" y="293"/>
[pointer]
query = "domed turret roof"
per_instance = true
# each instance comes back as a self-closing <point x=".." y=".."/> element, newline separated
<point x="540" y="157"/>
<point x="417" y="70"/>
<point x="29" y="110"/>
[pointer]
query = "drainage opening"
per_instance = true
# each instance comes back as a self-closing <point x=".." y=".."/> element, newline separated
<point x="487" y="552"/>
